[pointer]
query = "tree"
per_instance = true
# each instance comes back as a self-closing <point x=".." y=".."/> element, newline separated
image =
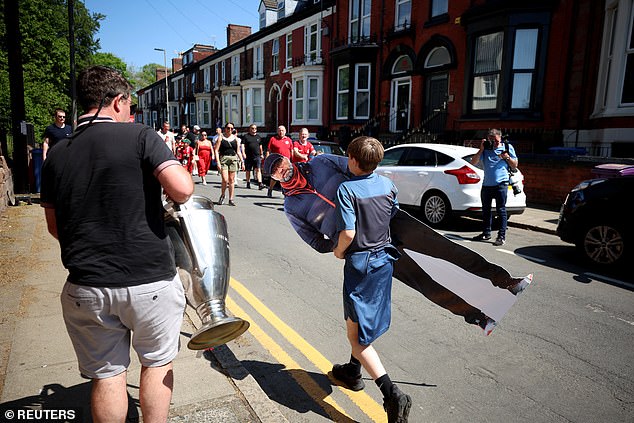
<point x="45" y="55"/>
<point x="109" y="59"/>
<point x="147" y="75"/>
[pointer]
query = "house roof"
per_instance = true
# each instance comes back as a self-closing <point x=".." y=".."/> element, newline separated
<point x="270" y="4"/>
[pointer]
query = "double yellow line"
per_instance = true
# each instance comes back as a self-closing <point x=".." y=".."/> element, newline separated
<point x="365" y="403"/>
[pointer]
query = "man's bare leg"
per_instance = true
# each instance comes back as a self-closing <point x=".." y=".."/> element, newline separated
<point x="109" y="399"/>
<point x="155" y="392"/>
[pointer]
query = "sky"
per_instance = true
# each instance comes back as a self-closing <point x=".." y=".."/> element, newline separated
<point x="132" y="29"/>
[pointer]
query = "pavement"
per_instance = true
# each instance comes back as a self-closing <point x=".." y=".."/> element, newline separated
<point x="38" y="369"/>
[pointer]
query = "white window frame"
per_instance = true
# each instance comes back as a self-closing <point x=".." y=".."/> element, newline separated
<point x="618" y="28"/>
<point x="359" y="26"/>
<point x="289" y="50"/>
<point x="176" y="121"/>
<point x="192" y="113"/>
<point x="399" y="22"/>
<point x="216" y="82"/>
<point x="204" y="113"/>
<point x="343" y="92"/>
<point x="252" y="112"/>
<point x="231" y="104"/>
<point x="358" y="90"/>
<point x="311" y="32"/>
<point x="281" y="9"/>
<point x="223" y="72"/>
<point x="235" y="69"/>
<point x="258" y="63"/>
<point x="302" y="98"/>
<point x="439" y="7"/>
<point x="207" y="79"/>
<point x="275" y="57"/>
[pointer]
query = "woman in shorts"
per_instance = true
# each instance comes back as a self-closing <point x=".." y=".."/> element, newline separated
<point x="229" y="156"/>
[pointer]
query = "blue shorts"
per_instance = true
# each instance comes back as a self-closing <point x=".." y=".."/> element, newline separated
<point x="367" y="291"/>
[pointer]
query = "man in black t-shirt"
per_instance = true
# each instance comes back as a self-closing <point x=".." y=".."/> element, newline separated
<point x="101" y="192"/>
<point x="252" y="150"/>
<point x="55" y="132"/>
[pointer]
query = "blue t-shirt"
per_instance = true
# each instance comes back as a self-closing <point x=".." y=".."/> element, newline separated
<point x="495" y="168"/>
<point x="366" y="204"/>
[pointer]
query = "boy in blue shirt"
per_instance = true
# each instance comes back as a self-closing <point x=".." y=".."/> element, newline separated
<point x="364" y="206"/>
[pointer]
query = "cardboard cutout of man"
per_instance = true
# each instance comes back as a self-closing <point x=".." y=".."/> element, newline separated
<point x="450" y="275"/>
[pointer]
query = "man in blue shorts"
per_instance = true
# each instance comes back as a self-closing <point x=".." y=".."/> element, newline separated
<point x="364" y="207"/>
<point x="101" y="194"/>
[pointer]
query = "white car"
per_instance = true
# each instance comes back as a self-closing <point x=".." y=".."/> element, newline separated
<point x="440" y="179"/>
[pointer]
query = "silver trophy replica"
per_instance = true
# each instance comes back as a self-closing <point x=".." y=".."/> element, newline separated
<point x="201" y="246"/>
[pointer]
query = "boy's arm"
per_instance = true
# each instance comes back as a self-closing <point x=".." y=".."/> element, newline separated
<point x="345" y="239"/>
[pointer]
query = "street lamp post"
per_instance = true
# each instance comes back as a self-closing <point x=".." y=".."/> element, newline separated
<point x="167" y="93"/>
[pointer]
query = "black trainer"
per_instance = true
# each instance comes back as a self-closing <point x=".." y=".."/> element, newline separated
<point x="481" y="237"/>
<point x="397" y="406"/>
<point x="344" y="374"/>
<point x="248" y="185"/>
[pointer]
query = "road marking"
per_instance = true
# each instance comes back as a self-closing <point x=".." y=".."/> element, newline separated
<point x="513" y="253"/>
<point x="370" y="407"/>
<point x="607" y="279"/>
<point x="301" y="377"/>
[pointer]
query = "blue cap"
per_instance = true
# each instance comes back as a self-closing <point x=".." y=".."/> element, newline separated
<point x="270" y="161"/>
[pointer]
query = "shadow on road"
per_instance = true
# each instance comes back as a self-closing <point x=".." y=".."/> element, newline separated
<point x="57" y="397"/>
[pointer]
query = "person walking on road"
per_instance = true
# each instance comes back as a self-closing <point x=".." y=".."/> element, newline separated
<point x="205" y="153"/>
<point x="364" y="243"/>
<point x="303" y="149"/>
<point x="102" y="200"/>
<point x="168" y="136"/>
<point x="229" y="158"/>
<point x="498" y="161"/>
<point x="252" y="146"/>
<point x="279" y="144"/>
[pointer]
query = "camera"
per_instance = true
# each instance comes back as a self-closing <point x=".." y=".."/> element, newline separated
<point x="488" y="144"/>
<point x="515" y="184"/>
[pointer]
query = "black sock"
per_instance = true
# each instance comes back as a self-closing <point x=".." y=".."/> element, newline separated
<point x="356" y="365"/>
<point x="385" y="385"/>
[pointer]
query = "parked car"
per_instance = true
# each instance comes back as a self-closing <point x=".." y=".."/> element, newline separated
<point x="322" y="147"/>
<point x="596" y="218"/>
<point x="440" y="179"/>
<point x="327" y="147"/>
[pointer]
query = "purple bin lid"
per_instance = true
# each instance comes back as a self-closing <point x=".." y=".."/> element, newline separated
<point x="613" y="169"/>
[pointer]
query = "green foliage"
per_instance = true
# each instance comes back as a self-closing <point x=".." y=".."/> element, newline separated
<point x="109" y="59"/>
<point x="146" y="75"/>
<point x="46" y="56"/>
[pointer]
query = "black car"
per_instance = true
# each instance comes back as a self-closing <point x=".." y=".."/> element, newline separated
<point x="596" y="218"/>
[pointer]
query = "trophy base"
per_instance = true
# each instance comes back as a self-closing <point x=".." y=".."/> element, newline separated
<point x="217" y="333"/>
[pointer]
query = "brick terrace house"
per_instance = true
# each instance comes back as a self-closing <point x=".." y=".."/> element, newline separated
<point x="548" y="72"/>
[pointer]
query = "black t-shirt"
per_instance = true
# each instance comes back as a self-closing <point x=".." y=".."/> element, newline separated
<point x="108" y="204"/>
<point x="252" y="145"/>
<point x="55" y="133"/>
<point x="192" y="139"/>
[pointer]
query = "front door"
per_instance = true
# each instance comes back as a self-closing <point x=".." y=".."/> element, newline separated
<point x="399" y="108"/>
<point x="436" y="93"/>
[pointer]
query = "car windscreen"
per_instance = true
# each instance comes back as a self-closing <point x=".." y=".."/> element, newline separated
<point x="329" y="149"/>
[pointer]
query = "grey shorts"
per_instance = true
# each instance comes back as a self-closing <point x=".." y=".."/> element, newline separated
<point x="101" y="322"/>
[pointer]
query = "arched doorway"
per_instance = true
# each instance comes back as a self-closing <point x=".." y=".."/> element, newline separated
<point x="400" y="94"/>
<point x="437" y="83"/>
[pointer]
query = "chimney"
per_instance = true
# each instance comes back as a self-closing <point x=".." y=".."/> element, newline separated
<point x="177" y="64"/>
<point x="236" y="33"/>
<point x="160" y="73"/>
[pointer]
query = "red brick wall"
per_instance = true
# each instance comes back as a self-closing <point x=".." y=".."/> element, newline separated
<point x="548" y="182"/>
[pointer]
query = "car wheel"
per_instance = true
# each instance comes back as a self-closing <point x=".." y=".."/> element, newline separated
<point x="603" y="244"/>
<point x="436" y="208"/>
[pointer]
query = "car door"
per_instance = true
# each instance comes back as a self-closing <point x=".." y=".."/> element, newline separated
<point x="411" y="173"/>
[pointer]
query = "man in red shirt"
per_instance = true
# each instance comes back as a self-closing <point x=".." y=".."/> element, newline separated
<point x="303" y="150"/>
<point x="280" y="144"/>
